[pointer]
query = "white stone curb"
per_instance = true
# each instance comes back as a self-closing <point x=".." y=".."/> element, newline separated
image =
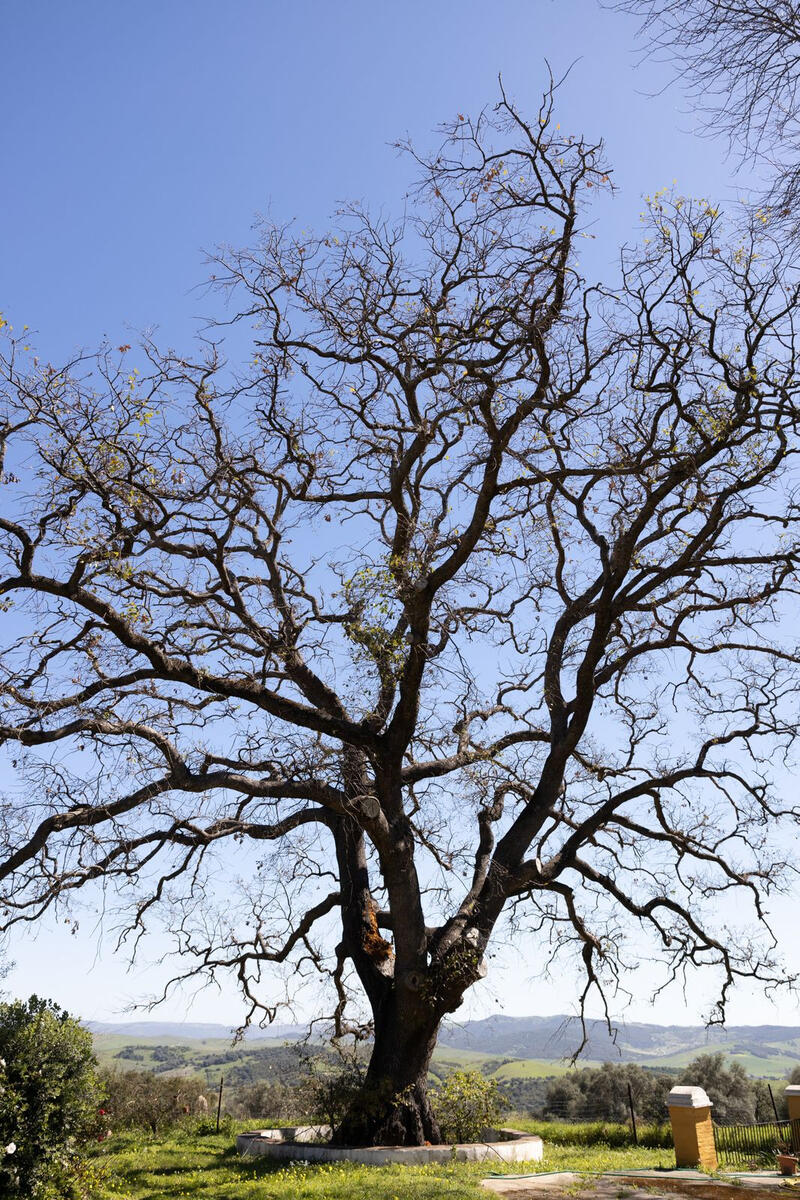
<point x="302" y="1143"/>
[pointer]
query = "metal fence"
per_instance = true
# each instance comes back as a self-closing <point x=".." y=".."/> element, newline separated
<point x="754" y="1145"/>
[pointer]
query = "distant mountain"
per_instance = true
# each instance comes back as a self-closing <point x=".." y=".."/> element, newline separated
<point x="192" y="1031"/>
<point x="545" y="1038"/>
<point x="558" y="1037"/>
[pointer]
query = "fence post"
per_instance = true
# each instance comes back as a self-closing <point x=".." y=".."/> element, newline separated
<point x="772" y="1098"/>
<point x="634" y="1130"/>
<point x="692" y="1130"/>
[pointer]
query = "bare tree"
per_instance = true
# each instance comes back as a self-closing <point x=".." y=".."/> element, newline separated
<point x="741" y="60"/>
<point x="461" y="605"/>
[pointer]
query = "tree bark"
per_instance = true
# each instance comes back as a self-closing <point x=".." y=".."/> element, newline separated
<point x="393" y="1108"/>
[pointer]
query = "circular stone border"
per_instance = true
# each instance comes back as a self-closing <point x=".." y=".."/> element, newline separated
<point x="306" y="1144"/>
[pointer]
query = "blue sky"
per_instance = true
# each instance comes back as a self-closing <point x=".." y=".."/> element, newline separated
<point x="134" y="137"/>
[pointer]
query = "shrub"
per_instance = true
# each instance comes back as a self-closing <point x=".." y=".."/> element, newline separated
<point x="601" y="1094"/>
<point x="466" y="1104"/>
<point x="207" y="1126"/>
<point x="144" y="1100"/>
<point x="333" y="1094"/>
<point x="267" y="1100"/>
<point x="49" y="1099"/>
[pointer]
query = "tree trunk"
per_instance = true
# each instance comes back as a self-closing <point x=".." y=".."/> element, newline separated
<point x="392" y="1108"/>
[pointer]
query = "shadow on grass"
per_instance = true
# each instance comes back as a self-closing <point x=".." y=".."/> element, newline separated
<point x="214" y="1164"/>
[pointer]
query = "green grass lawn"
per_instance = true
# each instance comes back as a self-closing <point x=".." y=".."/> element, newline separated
<point x="188" y="1167"/>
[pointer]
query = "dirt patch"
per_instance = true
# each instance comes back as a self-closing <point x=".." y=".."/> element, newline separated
<point x="621" y="1188"/>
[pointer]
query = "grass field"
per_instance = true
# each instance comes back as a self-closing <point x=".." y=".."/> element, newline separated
<point x="263" y="1058"/>
<point x="759" y="1066"/>
<point x="199" y="1055"/>
<point x="184" y="1166"/>
<point x="256" y="1059"/>
<point x="585" y="1135"/>
<point x="534" y="1068"/>
<point x="270" y="1058"/>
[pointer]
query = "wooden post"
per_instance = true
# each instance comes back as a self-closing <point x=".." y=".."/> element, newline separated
<point x="219" y="1101"/>
<point x="633" y="1115"/>
<point x="692" y="1130"/>
<point x="772" y="1098"/>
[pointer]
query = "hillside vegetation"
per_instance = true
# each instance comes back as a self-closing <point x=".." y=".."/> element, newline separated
<point x="264" y="1077"/>
<point x="766" y="1051"/>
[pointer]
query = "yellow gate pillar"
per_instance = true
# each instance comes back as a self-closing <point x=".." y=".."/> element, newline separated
<point x="792" y="1094"/>
<point x="692" y="1131"/>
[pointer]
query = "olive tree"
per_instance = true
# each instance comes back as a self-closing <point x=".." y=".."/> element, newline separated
<point x="458" y="605"/>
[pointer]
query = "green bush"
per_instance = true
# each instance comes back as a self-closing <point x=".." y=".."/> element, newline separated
<point x="144" y="1100"/>
<point x="466" y="1104"/>
<point x="207" y="1126"/>
<point x="49" y="1099"/>
<point x="333" y="1093"/>
<point x="267" y="1100"/>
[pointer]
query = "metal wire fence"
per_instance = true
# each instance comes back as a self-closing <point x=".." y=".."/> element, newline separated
<point x="754" y="1145"/>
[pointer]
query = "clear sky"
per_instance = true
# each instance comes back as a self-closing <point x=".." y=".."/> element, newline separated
<point x="136" y="136"/>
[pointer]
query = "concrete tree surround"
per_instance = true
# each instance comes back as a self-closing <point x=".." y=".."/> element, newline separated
<point x="692" y="1130"/>
<point x="307" y="1143"/>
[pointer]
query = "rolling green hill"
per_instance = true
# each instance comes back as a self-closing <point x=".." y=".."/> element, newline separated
<point x="246" y="1062"/>
<point x="506" y="1048"/>
<point x="265" y="1058"/>
<point x="769" y="1051"/>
